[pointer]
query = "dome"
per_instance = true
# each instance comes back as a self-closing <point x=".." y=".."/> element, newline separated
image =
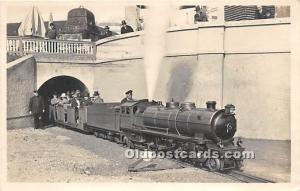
<point x="83" y="13"/>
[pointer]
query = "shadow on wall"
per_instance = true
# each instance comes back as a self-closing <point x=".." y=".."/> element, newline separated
<point x="180" y="82"/>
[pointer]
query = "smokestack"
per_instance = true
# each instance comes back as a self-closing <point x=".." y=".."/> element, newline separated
<point x="211" y="105"/>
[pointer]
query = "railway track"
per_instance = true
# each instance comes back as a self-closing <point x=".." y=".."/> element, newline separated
<point x="247" y="178"/>
<point x="233" y="174"/>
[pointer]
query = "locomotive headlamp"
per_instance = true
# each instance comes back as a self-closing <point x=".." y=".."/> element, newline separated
<point x="229" y="109"/>
<point x="220" y="144"/>
<point x="239" y="142"/>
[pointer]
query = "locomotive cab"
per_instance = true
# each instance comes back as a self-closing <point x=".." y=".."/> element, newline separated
<point x="130" y="112"/>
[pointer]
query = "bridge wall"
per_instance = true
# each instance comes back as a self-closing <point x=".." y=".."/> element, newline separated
<point x="21" y="81"/>
<point x="83" y="72"/>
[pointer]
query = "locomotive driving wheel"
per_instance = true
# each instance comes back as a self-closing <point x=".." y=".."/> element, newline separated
<point x="128" y="143"/>
<point x="213" y="164"/>
<point x="239" y="164"/>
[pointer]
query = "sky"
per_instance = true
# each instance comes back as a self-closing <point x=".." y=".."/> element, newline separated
<point x="103" y="11"/>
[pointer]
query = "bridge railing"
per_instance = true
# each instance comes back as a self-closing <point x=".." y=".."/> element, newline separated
<point x="23" y="45"/>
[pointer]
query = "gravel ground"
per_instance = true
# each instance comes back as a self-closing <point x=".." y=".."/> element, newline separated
<point x="61" y="155"/>
<point x="272" y="159"/>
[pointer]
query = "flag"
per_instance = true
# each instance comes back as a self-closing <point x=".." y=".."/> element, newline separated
<point x="32" y="25"/>
<point x="50" y="20"/>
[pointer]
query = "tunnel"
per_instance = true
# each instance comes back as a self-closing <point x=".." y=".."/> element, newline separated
<point x="58" y="85"/>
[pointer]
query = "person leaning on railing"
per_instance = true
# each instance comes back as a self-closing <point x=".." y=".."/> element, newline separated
<point x="200" y="15"/>
<point x="51" y="33"/>
<point x="126" y="28"/>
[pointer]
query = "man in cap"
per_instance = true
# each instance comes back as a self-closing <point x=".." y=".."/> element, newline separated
<point x="125" y="28"/>
<point x="36" y="108"/>
<point x="128" y="96"/>
<point x="200" y="16"/>
<point x="97" y="98"/>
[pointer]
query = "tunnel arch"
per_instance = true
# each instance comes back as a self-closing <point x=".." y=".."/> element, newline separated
<point x="58" y="85"/>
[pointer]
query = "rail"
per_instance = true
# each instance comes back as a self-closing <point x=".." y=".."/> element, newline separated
<point x="248" y="178"/>
<point x="23" y="46"/>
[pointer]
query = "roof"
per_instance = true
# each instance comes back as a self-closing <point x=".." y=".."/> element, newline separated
<point x="58" y="25"/>
<point x="12" y="28"/>
<point x="129" y="103"/>
<point x="132" y="103"/>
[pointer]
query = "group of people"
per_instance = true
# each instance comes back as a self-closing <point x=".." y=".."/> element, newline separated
<point x="52" y="33"/>
<point x="75" y="99"/>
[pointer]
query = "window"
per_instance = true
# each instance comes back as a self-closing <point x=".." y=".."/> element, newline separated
<point x="122" y="109"/>
<point x="128" y="110"/>
<point x="135" y="109"/>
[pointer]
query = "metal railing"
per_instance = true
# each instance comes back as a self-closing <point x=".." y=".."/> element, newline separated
<point x="21" y="46"/>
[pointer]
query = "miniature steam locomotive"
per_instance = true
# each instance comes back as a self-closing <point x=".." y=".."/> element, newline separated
<point x="150" y="125"/>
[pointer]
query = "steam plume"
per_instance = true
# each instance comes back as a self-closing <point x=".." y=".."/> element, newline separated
<point x="155" y="37"/>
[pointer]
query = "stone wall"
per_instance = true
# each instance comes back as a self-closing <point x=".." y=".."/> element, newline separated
<point x="21" y="81"/>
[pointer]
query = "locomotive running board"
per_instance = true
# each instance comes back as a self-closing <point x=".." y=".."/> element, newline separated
<point x="183" y="138"/>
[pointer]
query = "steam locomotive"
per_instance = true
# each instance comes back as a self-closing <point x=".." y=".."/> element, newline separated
<point x="150" y="125"/>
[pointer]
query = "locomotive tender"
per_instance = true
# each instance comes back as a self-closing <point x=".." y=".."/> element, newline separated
<point x="150" y="125"/>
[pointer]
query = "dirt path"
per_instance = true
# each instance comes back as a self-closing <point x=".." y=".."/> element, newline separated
<point x="61" y="155"/>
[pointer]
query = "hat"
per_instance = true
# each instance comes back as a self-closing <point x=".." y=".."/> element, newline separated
<point x="51" y="24"/>
<point x="63" y="95"/>
<point x="123" y="22"/>
<point x="129" y="92"/>
<point x="106" y="27"/>
<point x="96" y="93"/>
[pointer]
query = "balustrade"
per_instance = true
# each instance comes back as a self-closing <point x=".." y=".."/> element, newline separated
<point x="18" y="45"/>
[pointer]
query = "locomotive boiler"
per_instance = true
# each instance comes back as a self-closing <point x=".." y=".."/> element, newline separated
<point x="185" y="119"/>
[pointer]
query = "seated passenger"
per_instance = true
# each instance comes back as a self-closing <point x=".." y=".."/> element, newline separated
<point x="69" y="97"/>
<point x="97" y="98"/>
<point x="75" y="101"/>
<point x="63" y="99"/>
<point x="65" y="103"/>
<point x="86" y="99"/>
<point x="53" y="103"/>
<point x="128" y="96"/>
<point x="72" y="92"/>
